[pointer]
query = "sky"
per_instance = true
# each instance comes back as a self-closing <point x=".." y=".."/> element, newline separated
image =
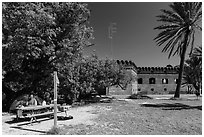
<point x="135" y="23"/>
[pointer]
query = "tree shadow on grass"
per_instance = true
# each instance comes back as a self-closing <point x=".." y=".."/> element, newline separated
<point x="27" y="120"/>
<point x="33" y="130"/>
<point x="174" y="106"/>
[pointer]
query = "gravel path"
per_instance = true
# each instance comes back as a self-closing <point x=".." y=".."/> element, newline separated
<point x="81" y="115"/>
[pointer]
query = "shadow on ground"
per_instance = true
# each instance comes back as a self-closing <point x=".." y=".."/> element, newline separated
<point x="27" y="120"/>
<point x="33" y="130"/>
<point x="174" y="106"/>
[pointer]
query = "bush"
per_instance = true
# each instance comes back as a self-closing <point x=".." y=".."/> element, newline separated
<point x="139" y="96"/>
<point x="79" y="103"/>
<point x="181" y="92"/>
<point x="142" y="93"/>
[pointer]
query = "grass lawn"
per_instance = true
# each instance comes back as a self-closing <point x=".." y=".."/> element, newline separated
<point x="128" y="117"/>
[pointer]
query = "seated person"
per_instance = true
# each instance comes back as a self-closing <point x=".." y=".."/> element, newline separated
<point x="32" y="101"/>
<point x="44" y="103"/>
<point x="21" y="104"/>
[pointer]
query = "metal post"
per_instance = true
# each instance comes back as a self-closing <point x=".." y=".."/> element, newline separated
<point x="55" y="99"/>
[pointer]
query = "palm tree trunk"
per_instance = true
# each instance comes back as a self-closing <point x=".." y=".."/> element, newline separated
<point x="181" y="67"/>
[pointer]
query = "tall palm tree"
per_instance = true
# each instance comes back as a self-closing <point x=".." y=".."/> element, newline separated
<point x="178" y="31"/>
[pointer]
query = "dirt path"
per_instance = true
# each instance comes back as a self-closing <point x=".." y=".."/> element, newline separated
<point x="81" y="115"/>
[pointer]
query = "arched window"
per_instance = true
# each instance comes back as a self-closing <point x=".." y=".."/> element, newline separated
<point x="165" y="81"/>
<point x="139" y="81"/>
<point x="152" y="81"/>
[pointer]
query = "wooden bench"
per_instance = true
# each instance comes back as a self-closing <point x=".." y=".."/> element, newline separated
<point x="34" y="116"/>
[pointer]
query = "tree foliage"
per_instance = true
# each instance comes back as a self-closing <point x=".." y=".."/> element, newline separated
<point x="93" y="75"/>
<point x="39" y="38"/>
<point x="178" y="31"/>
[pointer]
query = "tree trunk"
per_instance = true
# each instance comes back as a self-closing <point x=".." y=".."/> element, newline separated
<point x="181" y="67"/>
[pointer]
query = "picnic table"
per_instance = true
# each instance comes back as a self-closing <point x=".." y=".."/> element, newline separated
<point x="35" y="111"/>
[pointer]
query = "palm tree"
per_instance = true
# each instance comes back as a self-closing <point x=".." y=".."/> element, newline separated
<point x="178" y="31"/>
<point x="193" y="73"/>
<point x="197" y="53"/>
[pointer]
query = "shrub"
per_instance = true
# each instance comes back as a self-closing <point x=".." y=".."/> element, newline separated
<point x="181" y="92"/>
<point x="139" y="96"/>
<point x="79" y="103"/>
<point x="142" y="93"/>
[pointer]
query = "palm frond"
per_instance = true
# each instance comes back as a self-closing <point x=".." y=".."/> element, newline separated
<point x="198" y="27"/>
<point x="197" y="17"/>
<point x="172" y="15"/>
<point x="178" y="7"/>
<point x="198" y="6"/>
<point x="170" y="39"/>
<point x="176" y="41"/>
<point x="177" y="51"/>
<point x="163" y="34"/>
<point x="177" y="23"/>
<point x="165" y="39"/>
<point x="194" y="9"/>
<point x="168" y="19"/>
<point x="167" y="26"/>
<point x="177" y="35"/>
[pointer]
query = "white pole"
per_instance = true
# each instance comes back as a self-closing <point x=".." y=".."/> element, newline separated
<point x="55" y="99"/>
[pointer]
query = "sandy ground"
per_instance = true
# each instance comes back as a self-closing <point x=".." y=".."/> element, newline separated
<point x="128" y="117"/>
<point x="81" y="115"/>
